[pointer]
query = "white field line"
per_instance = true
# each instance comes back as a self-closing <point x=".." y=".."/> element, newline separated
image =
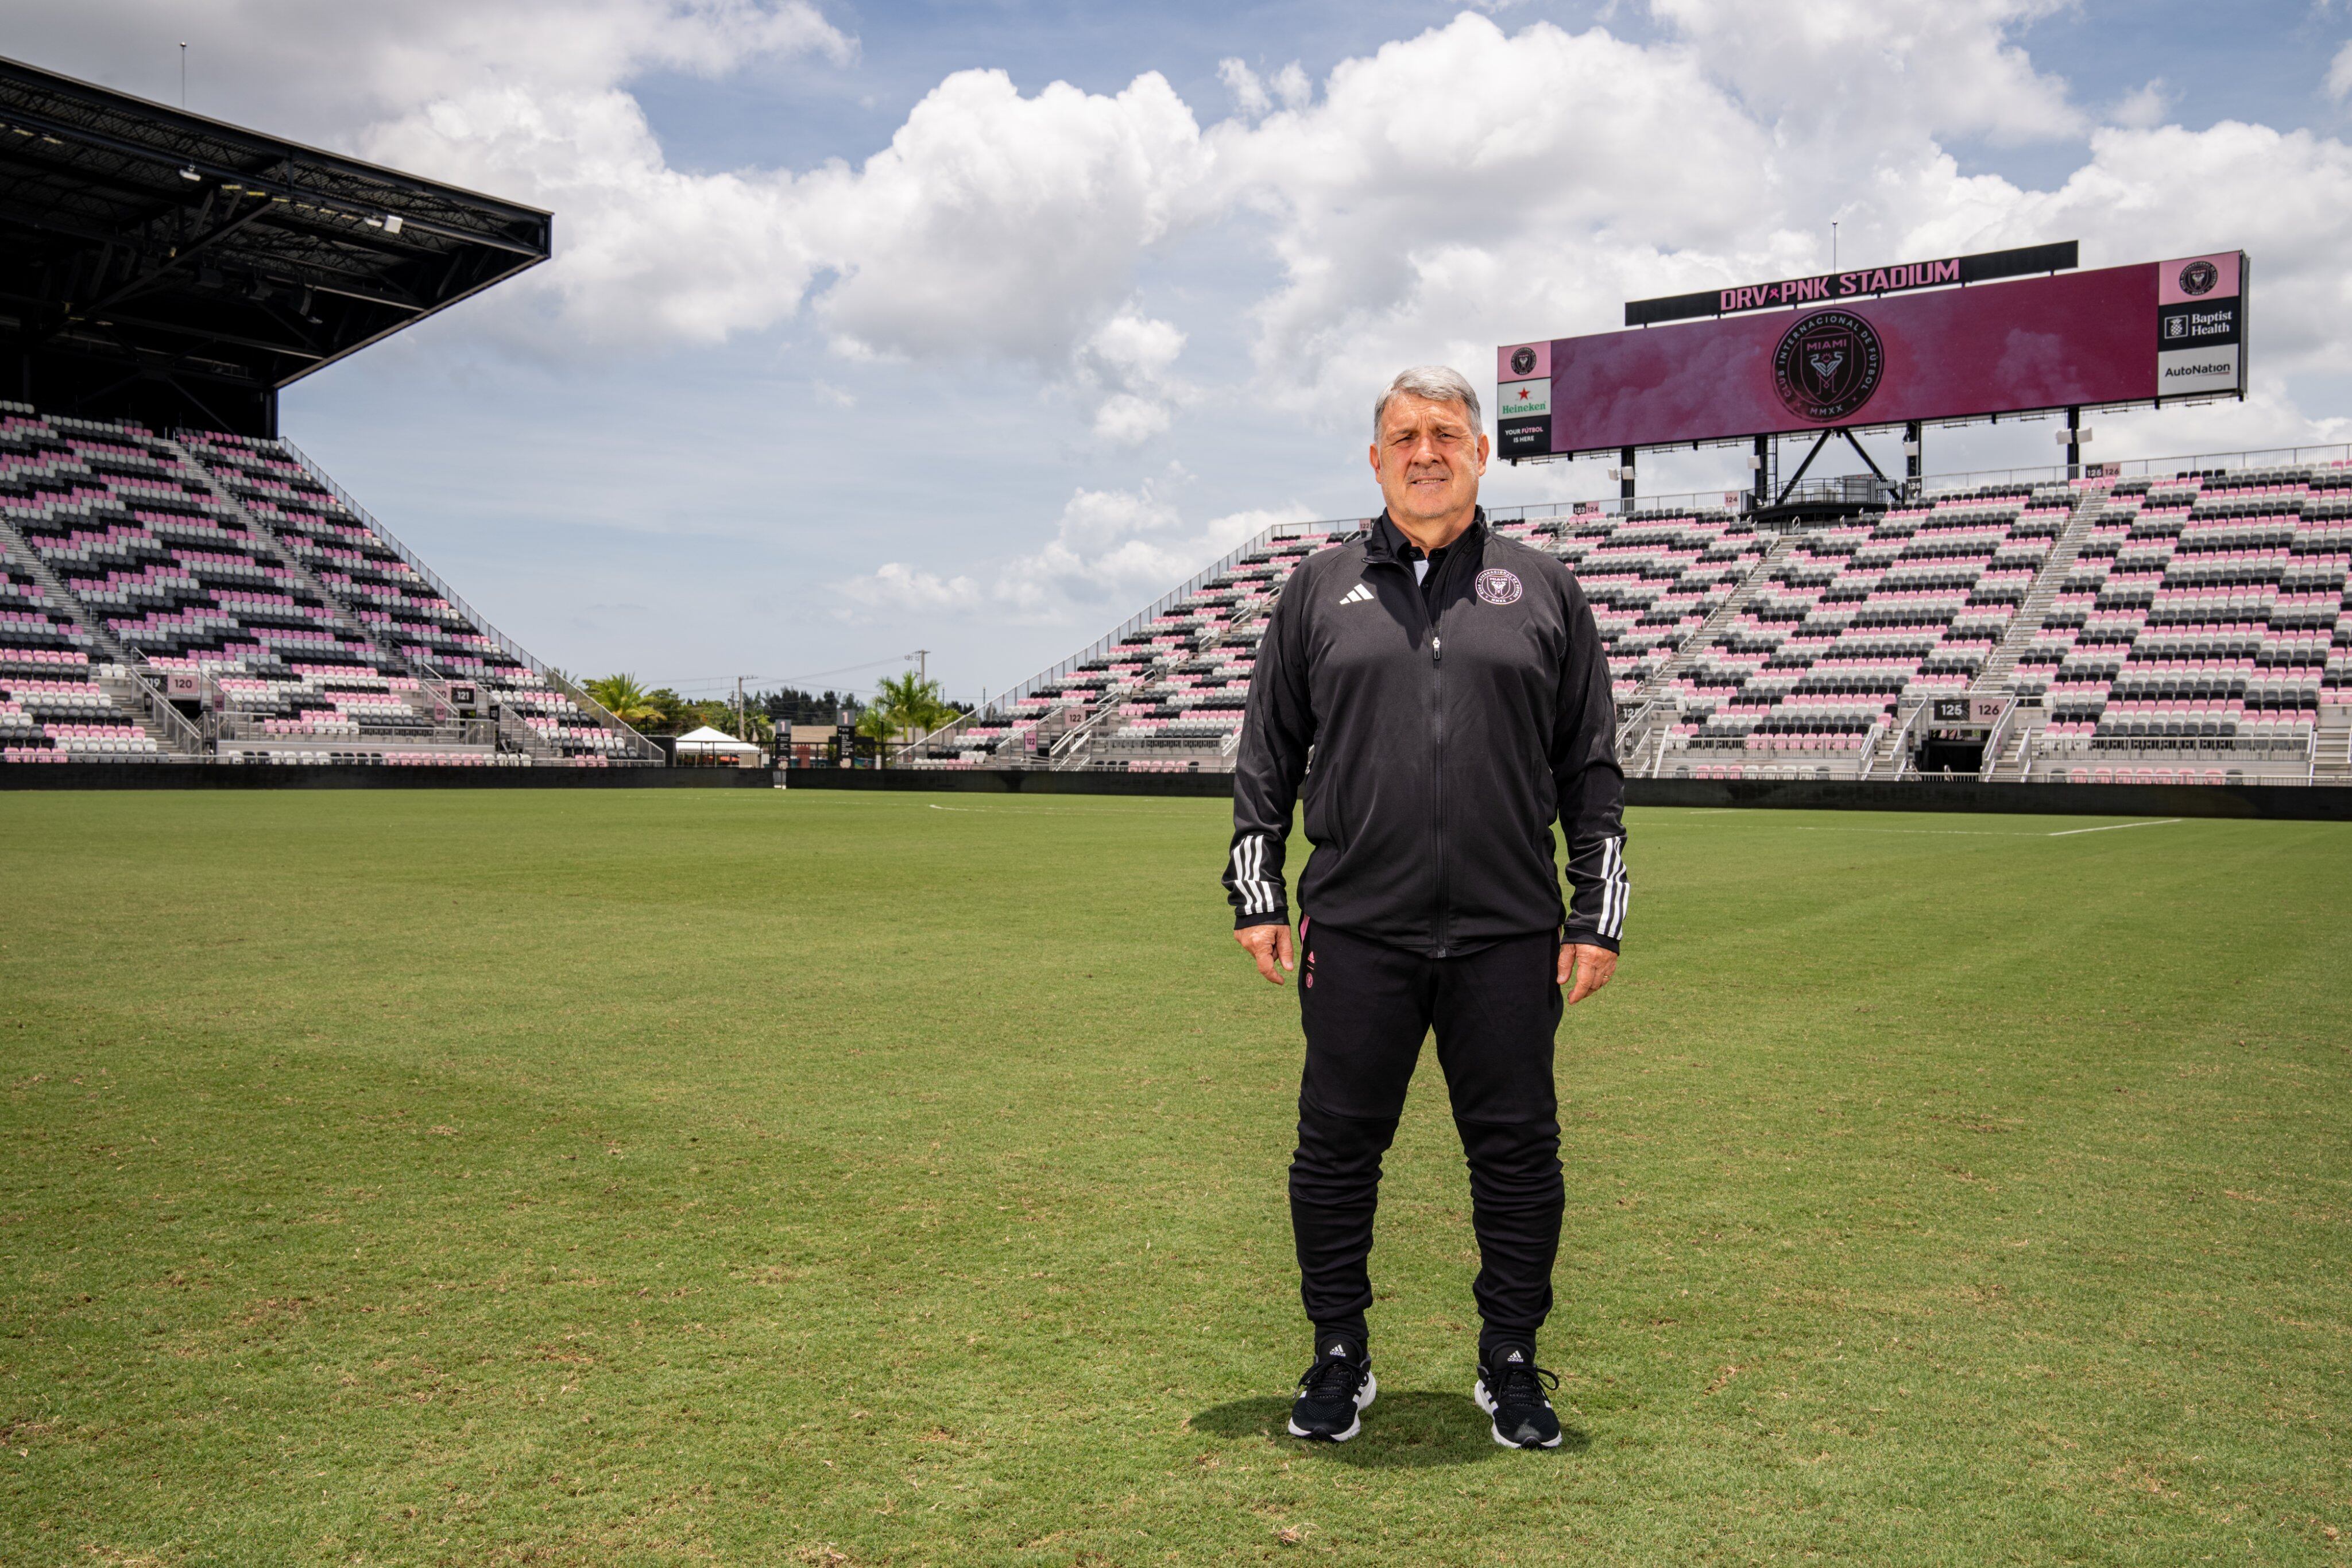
<point x="1032" y="810"/>
<point x="1927" y="832"/>
<point x="1986" y="833"/>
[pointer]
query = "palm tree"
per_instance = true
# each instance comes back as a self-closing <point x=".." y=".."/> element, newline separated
<point x="912" y="701"/>
<point x="624" y="698"/>
<point x="876" y="723"/>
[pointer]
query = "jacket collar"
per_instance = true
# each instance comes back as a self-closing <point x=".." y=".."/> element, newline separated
<point x="1385" y="542"/>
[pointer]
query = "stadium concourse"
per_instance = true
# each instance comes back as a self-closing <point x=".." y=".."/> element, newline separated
<point x="2188" y="624"/>
<point x="199" y="596"/>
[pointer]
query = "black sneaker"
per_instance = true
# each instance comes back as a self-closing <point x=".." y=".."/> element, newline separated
<point x="1333" y="1393"/>
<point x="1511" y="1389"/>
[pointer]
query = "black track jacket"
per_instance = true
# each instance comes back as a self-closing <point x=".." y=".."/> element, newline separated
<point x="1440" y="753"/>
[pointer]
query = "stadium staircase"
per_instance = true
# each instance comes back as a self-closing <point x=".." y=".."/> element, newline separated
<point x="1993" y="678"/>
<point x="2008" y="753"/>
<point x="2331" y="760"/>
<point x="131" y="698"/>
<point x="59" y="598"/>
<point x="619" y="739"/>
<point x="1641" y="737"/>
<point x="427" y="703"/>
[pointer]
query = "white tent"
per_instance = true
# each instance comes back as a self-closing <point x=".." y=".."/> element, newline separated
<point x="708" y="744"/>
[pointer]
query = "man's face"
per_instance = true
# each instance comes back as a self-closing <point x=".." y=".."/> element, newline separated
<point x="1428" y="458"/>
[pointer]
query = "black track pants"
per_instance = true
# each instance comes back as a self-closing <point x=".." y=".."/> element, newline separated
<point x="1367" y="1008"/>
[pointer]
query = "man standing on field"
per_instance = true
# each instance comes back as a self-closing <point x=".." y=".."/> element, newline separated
<point x="1440" y="695"/>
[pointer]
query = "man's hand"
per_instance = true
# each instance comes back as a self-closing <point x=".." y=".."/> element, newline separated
<point x="1266" y="944"/>
<point x="1591" y="967"/>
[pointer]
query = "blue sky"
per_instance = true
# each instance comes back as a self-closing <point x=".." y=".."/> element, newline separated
<point x="787" y="409"/>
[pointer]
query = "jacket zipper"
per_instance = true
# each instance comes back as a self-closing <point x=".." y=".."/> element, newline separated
<point x="1437" y="920"/>
<point x="1439" y="923"/>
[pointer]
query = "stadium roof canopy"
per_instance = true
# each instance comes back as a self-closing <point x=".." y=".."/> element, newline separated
<point x="158" y="266"/>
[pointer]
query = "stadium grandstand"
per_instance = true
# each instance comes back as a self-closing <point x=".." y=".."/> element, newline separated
<point x="177" y="583"/>
<point x="2185" y="622"/>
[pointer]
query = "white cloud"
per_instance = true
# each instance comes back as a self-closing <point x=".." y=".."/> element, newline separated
<point x="1467" y="186"/>
<point x="895" y="586"/>
<point x="998" y="225"/>
<point x="1126" y="420"/>
<point x="1249" y="94"/>
<point x="326" y="73"/>
<point x="1254" y="97"/>
<point x="2339" y="75"/>
<point x="1116" y="548"/>
<point x="645" y="254"/>
<point x="1132" y="355"/>
<point x="1825" y="69"/>
<point x="2143" y="107"/>
<point x="1136" y="345"/>
<point x="1111" y="549"/>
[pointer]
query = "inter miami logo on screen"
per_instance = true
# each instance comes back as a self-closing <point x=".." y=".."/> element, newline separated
<point x="1522" y="361"/>
<point x="2199" y="277"/>
<point x="1828" y="364"/>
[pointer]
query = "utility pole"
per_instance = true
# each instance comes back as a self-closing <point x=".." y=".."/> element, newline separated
<point x="742" y="716"/>
<point x="922" y="665"/>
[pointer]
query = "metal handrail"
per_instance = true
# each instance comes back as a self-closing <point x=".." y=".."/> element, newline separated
<point x="1630" y="727"/>
<point x="1870" y="740"/>
<point x="1896" y="752"/>
<point x="158" y="706"/>
<point x="242" y="727"/>
<point x="2339" y="453"/>
<point x="1990" y="757"/>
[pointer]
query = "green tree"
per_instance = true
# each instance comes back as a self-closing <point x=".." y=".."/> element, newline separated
<point x="905" y="706"/>
<point x="625" y="699"/>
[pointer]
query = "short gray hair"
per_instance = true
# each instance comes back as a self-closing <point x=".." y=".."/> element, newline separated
<point x="1438" y="384"/>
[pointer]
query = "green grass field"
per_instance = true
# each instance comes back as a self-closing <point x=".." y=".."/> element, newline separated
<point x="851" y="1179"/>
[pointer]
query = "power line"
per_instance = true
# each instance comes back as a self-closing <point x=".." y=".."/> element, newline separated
<point x="728" y="682"/>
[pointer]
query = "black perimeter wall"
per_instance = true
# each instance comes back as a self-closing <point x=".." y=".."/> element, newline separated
<point x="2273" y="802"/>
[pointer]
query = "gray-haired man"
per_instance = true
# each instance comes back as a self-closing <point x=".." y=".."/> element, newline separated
<point x="1454" y="694"/>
